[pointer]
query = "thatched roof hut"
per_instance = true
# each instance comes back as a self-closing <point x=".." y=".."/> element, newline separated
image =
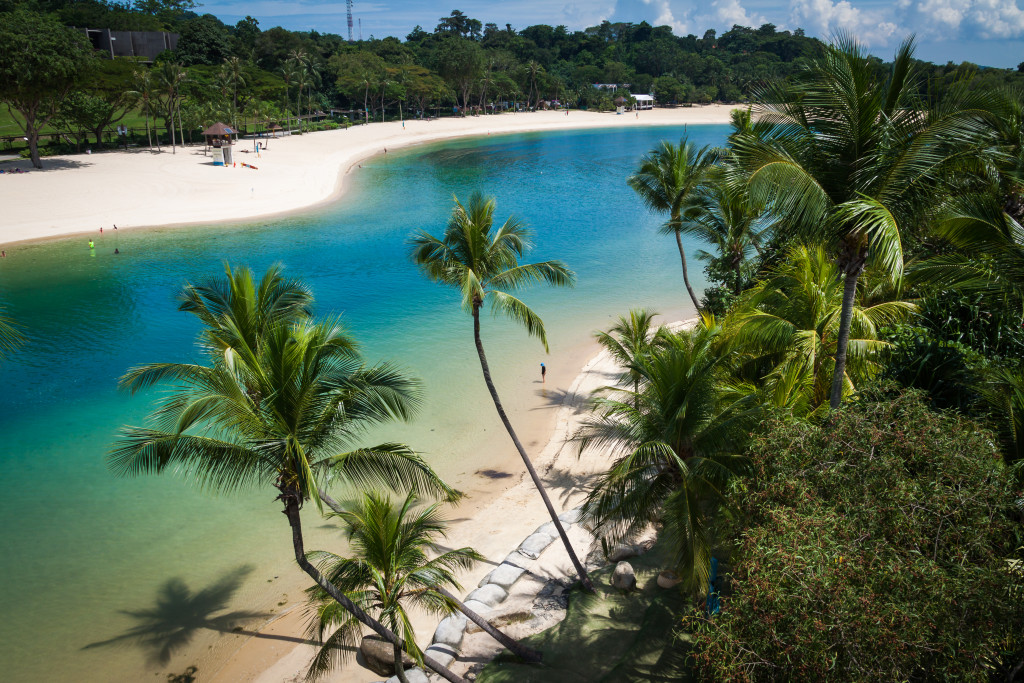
<point x="219" y="134"/>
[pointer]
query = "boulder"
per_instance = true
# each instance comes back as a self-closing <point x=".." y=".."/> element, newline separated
<point x="490" y="595"/>
<point x="623" y="551"/>
<point x="549" y="529"/>
<point x="450" y="631"/>
<point x="442" y="654"/>
<point x="481" y="609"/>
<point x="534" y="545"/>
<point x="624" y="578"/>
<point x="570" y="516"/>
<point x="505" y="575"/>
<point x="414" y="676"/>
<point x="379" y="655"/>
<point x="516" y="559"/>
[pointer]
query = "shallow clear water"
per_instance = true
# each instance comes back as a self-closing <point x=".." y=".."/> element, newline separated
<point x="79" y="547"/>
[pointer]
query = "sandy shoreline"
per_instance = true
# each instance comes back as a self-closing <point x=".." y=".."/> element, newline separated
<point x="79" y="194"/>
<point x="494" y="527"/>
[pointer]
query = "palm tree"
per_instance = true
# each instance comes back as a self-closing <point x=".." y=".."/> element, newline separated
<point x="533" y="69"/>
<point x="289" y="74"/>
<point x="169" y="77"/>
<point x="279" y="404"/>
<point x="989" y="247"/>
<point x="630" y="339"/>
<point x="668" y="177"/>
<point x="143" y="84"/>
<point x="849" y="160"/>
<point x="786" y="331"/>
<point x="673" y="443"/>
<point x="722" y="215"/>
<point x="483" y="264"/>
<point x="521" y="651"/>
<point x="233" y="73"/>
<point x="388" y="573"/>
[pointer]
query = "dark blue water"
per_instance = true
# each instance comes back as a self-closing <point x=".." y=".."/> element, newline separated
<point x="78" y="545"/>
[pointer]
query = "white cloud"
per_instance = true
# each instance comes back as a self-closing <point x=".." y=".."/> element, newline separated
<point x="656" y="12"/>
<point x="822" y="17"/>
<point x="986" y="19"/>
<point x="725" y="13"/>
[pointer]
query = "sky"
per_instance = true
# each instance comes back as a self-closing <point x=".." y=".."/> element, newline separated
<point x="986" y="32"/>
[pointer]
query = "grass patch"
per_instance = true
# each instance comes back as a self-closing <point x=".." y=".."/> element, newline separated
<point x="609" y="637"/>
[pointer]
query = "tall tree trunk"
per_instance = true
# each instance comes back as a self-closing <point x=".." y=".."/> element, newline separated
<point x="737" y="269"/>
<point x="290" y="499"/>
<point x="512" y="645"/>
<point x="33" y="147"/>
<point x="171" y="127"/>
<point x="181" y="128"/>
<point x="580" y="570"/>
<point x="852" y="271"/>
<point x="399" y="665"/>
<point x="686" y="273"/>
<point x="149" y="138"/>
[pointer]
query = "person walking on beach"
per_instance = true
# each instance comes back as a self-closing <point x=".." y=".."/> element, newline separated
<point x="543" y="372"/>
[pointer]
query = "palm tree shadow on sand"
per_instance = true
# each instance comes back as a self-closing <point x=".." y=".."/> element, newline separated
<point x="179" y="613"/>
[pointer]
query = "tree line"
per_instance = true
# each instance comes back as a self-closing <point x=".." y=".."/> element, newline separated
<point x="246" y="75"/>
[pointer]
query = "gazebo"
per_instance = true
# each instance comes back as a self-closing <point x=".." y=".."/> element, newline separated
<point x="218" y="136"/>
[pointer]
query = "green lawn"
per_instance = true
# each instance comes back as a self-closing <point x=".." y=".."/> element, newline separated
<point x="609" y="637"/>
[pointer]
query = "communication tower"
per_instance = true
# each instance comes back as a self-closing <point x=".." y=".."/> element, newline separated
<point x="348" y="6"/>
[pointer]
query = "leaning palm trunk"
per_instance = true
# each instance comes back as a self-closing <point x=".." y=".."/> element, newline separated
<point x="518" y="649"/>
<point x="291" y="499"/>
<point x="512" y="645"/>
<point x="580" y="569"/>
<point x="686" y="272"/>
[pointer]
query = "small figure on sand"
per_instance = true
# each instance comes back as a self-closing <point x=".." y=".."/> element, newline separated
<point x="3" y="254"/>
<point x="543" y="372"/>
<point x="101" y="229"/>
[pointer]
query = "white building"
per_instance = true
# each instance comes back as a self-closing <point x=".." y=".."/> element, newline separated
<point x="643" y="101"/>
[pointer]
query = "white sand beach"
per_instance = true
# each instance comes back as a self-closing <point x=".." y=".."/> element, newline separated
<point x="143" y="188"/>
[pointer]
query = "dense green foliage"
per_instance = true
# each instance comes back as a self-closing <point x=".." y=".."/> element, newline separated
<point x="876" y="547"/>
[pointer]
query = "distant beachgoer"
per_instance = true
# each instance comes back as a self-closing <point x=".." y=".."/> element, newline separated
<point x="116" y="250"/>
<point x="101" y="229"/>
<point x="543" y="372"/>
<point x="3" y="254"/>
<point x="91" y="245"/>
<point x="385" y="150"/>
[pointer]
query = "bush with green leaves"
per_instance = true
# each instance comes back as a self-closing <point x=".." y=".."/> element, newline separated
<point x="880" y="546"/>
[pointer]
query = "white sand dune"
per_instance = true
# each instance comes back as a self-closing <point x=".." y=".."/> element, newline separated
<point x="139" y="188"/>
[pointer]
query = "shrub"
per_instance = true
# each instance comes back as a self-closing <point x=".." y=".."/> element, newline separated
<point x="876" y="547"/>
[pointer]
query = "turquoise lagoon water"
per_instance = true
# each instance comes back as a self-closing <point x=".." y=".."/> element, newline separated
<point x="86" y="558"/>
